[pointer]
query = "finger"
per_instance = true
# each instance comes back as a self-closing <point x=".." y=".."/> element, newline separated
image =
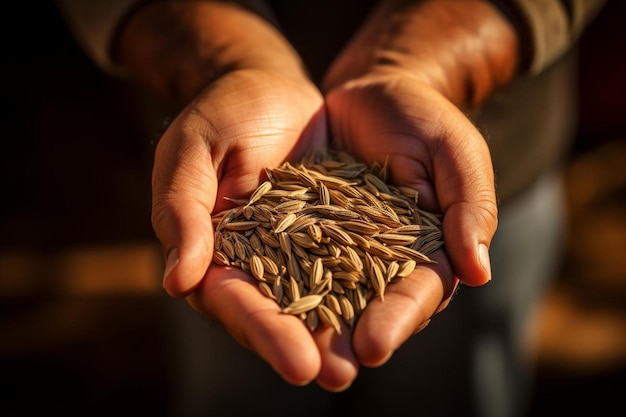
<point x="184" y="188"/>
<point x="432" y="147"/>
<point x="448" y="296"/>
<point x="230" y="296"/>
<point x="339" y="365"/>
<point x="461" y="173"/>
<point x="408" y="306"/>
<point x="464" y="182"/>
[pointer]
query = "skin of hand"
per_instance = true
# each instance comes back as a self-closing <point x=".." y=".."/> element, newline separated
<point x="247" y="104"/>
<point x="397" y="93"/>
<point x="250" y="106"/>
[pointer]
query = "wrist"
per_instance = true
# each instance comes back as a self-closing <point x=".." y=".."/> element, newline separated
<point x="177" y="48"/>
<point x="463" y="49"/>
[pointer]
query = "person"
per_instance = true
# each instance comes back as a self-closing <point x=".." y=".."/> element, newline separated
<point x="460" y="96"/>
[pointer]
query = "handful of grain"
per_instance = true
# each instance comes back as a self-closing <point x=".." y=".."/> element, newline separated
<point x="324" y="236"/>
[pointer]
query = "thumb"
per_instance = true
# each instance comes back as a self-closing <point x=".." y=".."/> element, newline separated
<point x="467" y="228"/>
<point x="465" y="186"/>
<point x="184" y="191"/>
<point x="186" y="234"/>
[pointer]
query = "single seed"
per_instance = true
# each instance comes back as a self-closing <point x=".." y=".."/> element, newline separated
<point x="304" y="304"/>
<point x="332" y="302"/>
<point x="392" y="270"/>
<point x="347" y="310"/>
<point x="256" y="267"/>
<point x="328" y="317"/>
<point x="220" y="258"/>
<point x="317" y="272"/>
<point x="266" y="290"/>
<point x="312" y="320"/>
<point x="378" y="281"/>
<point x="259" y="192"/>
<point x="285" y="222"/>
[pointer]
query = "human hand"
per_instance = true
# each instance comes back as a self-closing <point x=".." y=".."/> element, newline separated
<point x="397" y="92"/>
<point x="255" y="113"/>
<point x="431" y="146"/>
<point x="218" y="148"/>
<point x="248" y="105"/>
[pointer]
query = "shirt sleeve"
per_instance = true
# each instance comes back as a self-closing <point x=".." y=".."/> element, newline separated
<point x="547" y="28"/>
<point x="94" y="24"/>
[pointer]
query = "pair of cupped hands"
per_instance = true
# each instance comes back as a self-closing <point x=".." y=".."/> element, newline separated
<point x="247" y="120"/>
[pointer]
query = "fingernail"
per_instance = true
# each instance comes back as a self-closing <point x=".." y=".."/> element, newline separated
<point x="170" y="263"/>
<point x="483" y="258"/>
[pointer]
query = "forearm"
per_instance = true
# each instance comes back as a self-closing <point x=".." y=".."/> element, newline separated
<point x="465" y="49"/>
<point x="177" y="48"/>
<point x="547" y="28"/>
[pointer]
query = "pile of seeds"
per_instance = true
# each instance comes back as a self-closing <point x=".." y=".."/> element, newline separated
<point x="324" y="236"/>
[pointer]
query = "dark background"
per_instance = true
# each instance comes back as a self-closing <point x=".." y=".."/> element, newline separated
<point x="81" y="324"/>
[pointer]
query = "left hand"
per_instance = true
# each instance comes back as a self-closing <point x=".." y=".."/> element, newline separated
<point x="432" y="147"/>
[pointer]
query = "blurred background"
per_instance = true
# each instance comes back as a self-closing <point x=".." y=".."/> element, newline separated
<point x="82" y="325"/>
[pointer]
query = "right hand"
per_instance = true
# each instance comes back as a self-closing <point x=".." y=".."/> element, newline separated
<point x="218" y="147"/>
